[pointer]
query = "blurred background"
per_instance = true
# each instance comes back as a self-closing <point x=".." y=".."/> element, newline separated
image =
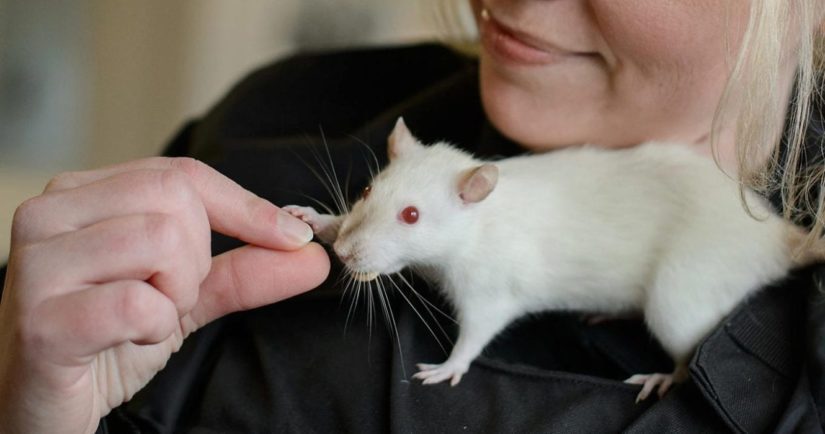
<point x="87" y="83"/>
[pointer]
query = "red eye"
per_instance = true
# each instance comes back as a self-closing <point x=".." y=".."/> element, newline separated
<point x="366" y="192"/>
<point x="409" y="215"/>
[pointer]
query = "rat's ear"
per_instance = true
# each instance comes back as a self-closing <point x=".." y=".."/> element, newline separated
<point x="478" y="183"/>
<point x="401" y="140"/>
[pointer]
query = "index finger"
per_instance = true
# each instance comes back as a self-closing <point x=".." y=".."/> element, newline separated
<point x="231" y="209"/>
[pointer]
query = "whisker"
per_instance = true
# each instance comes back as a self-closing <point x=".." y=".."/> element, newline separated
<point x="370" y="310"/>
<point x="382" y="302"/>
<point x="346" y="185"/>
<point x="347" y="285"/>
<point x="328" y="176"/>
<point x="377" y="167"/>
<point x="326" y="181"/>
<point x="424" y="299"/>
<point x="427" y="305"/>
<point x="320" y="204"/>
<point x="353" y="302"/>
<point x="421" y="317"/>
<point x="336" y="186"/>
<point x="393" y="325"/>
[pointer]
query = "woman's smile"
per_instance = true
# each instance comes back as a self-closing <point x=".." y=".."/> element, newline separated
<point x="518" y="47"/>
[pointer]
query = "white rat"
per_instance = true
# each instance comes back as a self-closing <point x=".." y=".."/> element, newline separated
<point x="654" y="229"/>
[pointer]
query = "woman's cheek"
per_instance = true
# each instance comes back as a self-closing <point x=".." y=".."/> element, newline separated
<point x="546" y="109"/>
<point x="660" y="75"/>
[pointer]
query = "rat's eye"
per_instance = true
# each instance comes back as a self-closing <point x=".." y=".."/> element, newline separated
<point x="366" y="192"/>
<point x="409" y="215"/>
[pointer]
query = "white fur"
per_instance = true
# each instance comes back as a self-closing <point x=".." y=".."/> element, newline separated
<point x="654" y="229"/>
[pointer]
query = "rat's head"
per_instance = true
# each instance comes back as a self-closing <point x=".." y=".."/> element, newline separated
<point x="415" y="211"/>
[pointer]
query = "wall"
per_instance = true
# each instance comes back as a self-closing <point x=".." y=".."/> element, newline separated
<point x="90" y="83"/>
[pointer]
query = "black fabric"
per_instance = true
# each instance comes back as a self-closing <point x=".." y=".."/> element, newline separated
<point x="301" y="366"/>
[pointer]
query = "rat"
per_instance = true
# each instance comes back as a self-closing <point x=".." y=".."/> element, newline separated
<point x="655" y="229"/>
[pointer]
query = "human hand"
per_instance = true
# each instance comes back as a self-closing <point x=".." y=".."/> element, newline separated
<point x="110" y="269"/>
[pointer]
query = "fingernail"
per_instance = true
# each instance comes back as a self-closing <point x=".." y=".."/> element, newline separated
<point x="294" y="229"/>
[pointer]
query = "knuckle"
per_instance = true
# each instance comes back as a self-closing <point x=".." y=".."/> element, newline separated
<point x="177" y="268"/>
<point x="62" y="181"/>
<point x="27" y="210"/>
<point x="26" y="217"/>
<point x="172" y="181"/>
<point x="135" y="305"/>
<point x="176" y="187"/>
<point x="144" y="313"/>
<point x="163" y="233"/>
<point x="187" y="165"/>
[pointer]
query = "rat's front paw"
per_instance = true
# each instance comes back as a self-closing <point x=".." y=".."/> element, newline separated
<point x="325" y="226"/>
<point x="433" y="374"/>
<point x="308" y="215"/>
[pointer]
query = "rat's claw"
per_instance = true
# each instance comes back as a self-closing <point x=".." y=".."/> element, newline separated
<point x="649" y="382"/>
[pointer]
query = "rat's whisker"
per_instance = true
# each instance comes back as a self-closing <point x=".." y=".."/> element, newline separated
<point x="421" y="317"/>
<point x="346" y="188"/>
<point x="320" y="204"/>
<point x="372" y="169"/>
<point x="342" y="203"/>
<point x="391" y="322"/>
<point x="353" y="301"/>
<point x="382" y="303"/>
<point x="347" y="285"/>
<point x="370" y="309"/>
<point x="424" y="299"/>
<point x="326" y="181"/>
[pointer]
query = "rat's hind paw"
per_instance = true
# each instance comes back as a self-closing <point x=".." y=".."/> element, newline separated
<point x="650" y="382"/>
<point x="433" y="374"/>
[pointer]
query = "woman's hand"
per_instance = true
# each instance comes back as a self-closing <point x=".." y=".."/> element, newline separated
<point x="111" y="269"/>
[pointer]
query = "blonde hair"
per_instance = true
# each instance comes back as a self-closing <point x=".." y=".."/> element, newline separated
<point x="779" y="34"/>
<point x="771" y="154"/>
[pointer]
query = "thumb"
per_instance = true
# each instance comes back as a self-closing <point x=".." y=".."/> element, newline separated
<point x="251" y="276"/>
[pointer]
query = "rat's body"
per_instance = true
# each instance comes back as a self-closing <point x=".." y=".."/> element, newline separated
<point x="654" y="229"/>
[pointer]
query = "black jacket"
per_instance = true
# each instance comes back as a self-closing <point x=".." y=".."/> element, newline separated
<point x="297" y="366"/>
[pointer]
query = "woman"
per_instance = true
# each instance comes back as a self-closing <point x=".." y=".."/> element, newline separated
<point x="110" y="269"/>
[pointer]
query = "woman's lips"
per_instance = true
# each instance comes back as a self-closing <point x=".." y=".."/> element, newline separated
<point x="517" y="47"/>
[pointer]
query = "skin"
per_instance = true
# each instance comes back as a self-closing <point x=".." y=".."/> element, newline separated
<point x="92" y="309"/>
<point x="627" y="72"/>
<point x="111" y="269"/>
